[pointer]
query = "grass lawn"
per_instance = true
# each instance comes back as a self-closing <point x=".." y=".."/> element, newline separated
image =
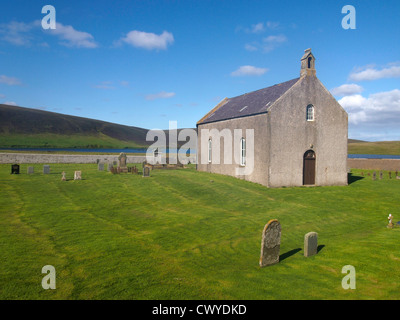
<point x="183" y="234"/>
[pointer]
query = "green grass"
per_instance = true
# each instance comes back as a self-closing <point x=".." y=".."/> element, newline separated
<point x="183" y="234"/>
<point x="51" y="140"/>
<point x="381" y="147"/>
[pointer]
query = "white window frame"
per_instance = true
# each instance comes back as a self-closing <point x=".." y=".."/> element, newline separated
<point x="243" y="152"/>
<point x="310" y="113"/>
<point x="209" y="150"/>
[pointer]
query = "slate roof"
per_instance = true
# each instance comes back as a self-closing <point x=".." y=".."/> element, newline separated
<point x="248" y="104"/>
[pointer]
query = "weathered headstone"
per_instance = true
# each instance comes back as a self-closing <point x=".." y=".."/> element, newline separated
<point x="374" y="175"/>
<point x="380" y="175"/>
<point x="63" y="178"/>
<point x="270" y="243"/>
<point x="100" y="166"/>
<point x="15" y="169"/>
<point x="122" y="160"/>
<point x="390" y="174"/>
<point x="30" y="170"/>
<point x="46" y="169"/>
<point x="78" y="175"/>
<point x="146" y="172"/>
<point x="310" y="244"/>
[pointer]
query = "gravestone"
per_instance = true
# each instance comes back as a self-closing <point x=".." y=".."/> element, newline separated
<point x="15" y="169"/>
<point x="78" y="175"/>
<point x="310" y="244"/>
<point x="46" y="169"/>
<point x="63" y="178"/>
<point x="100" y="166"/>
<point x="30" y="170"/>
<point x="122" y="160"/>
<point x="146" y="172"/>
<point x="109" y="166"/>
<point x="374" y="176"/>
<point x="380" y="175"/>
<point x="390" y="174"/>
<point x="270" y="243"/>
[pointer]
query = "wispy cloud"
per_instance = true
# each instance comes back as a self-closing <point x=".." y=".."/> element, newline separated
<point x="259" y="27"/>
<point x="160" y="95"/>
<point x="347" y="89"/>
<point x="16" y="33"/>
<point x="11" y="81"/>
<point x="248" y="71"/>
<point x="267" y="44"/>
<point x="10" y="103"/>
<point x="105" y="85"/>
<point x="148" y="40"/>
<point x="272" y="42"/>
<point x="73" y="38"/>
<point x="372" y="73"/>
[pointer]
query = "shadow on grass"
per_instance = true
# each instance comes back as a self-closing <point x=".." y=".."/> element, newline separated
<point x="351" y="179"/>
<point x="320" y="247"/>
<point x="288" y="254"/>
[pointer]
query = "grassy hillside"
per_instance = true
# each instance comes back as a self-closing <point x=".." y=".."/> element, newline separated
<point x="192" y="235"/>
<point x="23" y="127"/>
<point x="381" y="147"/>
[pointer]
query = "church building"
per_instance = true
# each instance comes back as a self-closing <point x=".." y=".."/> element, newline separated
<point x="291" y="134"/>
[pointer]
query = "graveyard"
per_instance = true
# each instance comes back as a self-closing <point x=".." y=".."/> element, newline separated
<point x="184" y="234"/>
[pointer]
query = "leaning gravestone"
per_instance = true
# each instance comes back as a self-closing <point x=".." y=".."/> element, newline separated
<point x="100" y="166"/>
<point x="270" y="243"/>
<point x="30" y="170"/>
<point x="78" y="175"/>
<point x="46" y="169"/>
<point x="146" y="172"/>
<point x="110" y="166"/>
<point x="63" y="178"/>
<point x="310" y="244"/>
<point x="15" y="169"/>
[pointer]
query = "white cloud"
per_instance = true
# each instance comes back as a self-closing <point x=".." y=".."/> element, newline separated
<point x="379" y="108"/>
<point x="272" y="42"/>
<point x="17" y="33"/>
<point x="259" y="27"/>
<point x="248" y="71"/>
<point x="105" y="85"/>
<point x="11" y="81"/>
<point x="371" y="73"/>
<point x="250" y="47"/>
<point x="149" y="41"/>
<point x="160" y="95"/>
<point x="347" y="89"/>
<point x="10" y="103"/>
<point x="73" y="38"/>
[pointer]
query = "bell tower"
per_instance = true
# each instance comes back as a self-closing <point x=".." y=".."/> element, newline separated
<point x="307" y="64"/>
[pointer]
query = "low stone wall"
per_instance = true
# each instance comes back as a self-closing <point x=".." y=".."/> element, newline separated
<point x="19" y="158"/>
<point x="374" y="164"/>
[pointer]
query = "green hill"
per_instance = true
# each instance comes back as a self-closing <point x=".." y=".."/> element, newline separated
<point x="32" y="128"/>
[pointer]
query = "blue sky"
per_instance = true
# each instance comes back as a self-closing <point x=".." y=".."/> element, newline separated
<point x="144" y="63"/>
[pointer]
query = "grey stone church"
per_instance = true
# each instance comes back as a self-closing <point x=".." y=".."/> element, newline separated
<point x="299" y="134"/>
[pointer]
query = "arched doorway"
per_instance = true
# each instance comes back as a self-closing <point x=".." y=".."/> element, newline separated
<point x="309" y="168"/>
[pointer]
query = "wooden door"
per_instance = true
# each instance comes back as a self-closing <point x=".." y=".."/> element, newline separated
<point x="309" y="168"/>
